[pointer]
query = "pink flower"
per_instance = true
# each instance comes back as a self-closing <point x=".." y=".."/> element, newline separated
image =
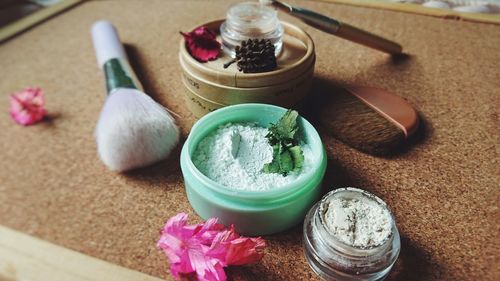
<point x="233" y="249"/>
<point x="204" y="249"/>
<point x="202" y="44"/>
<point x="27" y="106"/>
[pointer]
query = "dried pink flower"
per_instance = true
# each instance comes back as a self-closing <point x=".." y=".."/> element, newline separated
<point x="27" y="106"/>
<point x="202" y="44"/>
<point x="233" y="249"/>
<point x="203" y="250"/>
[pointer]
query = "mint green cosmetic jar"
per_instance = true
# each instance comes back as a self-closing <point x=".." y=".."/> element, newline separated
<point x="252" y="212"/>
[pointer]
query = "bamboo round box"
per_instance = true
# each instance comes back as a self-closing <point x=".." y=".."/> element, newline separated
<point x="200" y="105"/>
<point x="208" y="86"/>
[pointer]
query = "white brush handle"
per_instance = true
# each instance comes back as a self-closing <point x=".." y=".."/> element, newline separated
<point x="107" y="45"/>
<point x="112" y="58"/>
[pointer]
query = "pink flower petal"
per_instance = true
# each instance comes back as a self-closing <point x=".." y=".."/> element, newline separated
<point x="209" y="230"/>
<point x="27" y="106"/>
<point x="207" y="268"/>
<point x="170" y="245"/>
<point x="185" y="246"/>
<point x="202" y="44"/>
<point x="204" y="249"/>
<point x="233" y="249"/>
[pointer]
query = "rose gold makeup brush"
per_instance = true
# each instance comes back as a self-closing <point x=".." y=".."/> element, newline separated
<point x="337" y="28"/>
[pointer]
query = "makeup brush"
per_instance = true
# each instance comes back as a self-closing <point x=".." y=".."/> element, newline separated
<point x="133" y="130"/>
<point x="369" y="119"/>
<point x="337" y="28"/>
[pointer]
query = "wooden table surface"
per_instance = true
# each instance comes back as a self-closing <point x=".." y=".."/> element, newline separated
<point x="444" y="189"/>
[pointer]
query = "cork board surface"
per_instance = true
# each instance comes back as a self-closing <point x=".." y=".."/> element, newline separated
<point x="444" y="190"/>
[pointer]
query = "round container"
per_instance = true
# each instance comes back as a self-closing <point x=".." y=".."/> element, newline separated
<point x="285" y="86"/>
<point x="332" y="259"/>
<point x="252" y="212"/>
<point x="199" y="106"/>
<point x="250" y="20"/>
<point x="288" y="92"/>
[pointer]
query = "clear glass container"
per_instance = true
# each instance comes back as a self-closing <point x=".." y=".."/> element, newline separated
<point x="333" y="259"/>
<point x="250" y="20"/>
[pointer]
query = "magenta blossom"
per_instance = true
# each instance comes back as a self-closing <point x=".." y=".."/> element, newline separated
<point x="27" y="106"/>
<point x="204" y="249"/>
<point x="202" y="44"/>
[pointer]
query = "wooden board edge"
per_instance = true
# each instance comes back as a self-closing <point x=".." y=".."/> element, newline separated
<point x="418" y="9"/>
<point x="30" y="20"/>
<point x="23" y="257"/>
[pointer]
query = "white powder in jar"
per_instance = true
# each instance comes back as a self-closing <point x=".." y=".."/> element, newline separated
<point x="234" y="155"/>
<point x="358" y="221"/>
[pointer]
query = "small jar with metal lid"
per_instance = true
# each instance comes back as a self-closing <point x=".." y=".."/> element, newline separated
<point x="250" y="20"/>
<point x="351" y="235"/>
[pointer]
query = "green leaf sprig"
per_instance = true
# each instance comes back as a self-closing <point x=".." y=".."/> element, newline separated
<point x="283" y="137"/>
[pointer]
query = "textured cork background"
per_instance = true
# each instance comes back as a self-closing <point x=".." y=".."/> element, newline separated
<point x="444" y="189"/>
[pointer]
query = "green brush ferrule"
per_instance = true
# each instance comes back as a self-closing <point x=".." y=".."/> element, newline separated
<point x="119" y="74"/>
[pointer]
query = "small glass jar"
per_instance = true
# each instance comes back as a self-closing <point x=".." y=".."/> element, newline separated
<point x="333" y="259"/>
<point x="250" y="20"/>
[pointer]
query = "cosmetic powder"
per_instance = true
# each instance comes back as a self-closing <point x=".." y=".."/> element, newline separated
<point x="359" y="222"/>
<point x="234" y="155"/>
<point x="351" y="235"/>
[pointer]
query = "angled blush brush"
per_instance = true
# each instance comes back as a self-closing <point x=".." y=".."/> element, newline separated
<point x="337" y="28"/>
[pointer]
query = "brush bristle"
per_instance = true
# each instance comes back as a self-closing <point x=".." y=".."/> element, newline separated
<point x="134" y="131"/>
<point x="356" y="124"/>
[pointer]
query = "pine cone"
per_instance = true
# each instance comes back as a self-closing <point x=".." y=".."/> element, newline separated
<point x="254" y="56"/>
